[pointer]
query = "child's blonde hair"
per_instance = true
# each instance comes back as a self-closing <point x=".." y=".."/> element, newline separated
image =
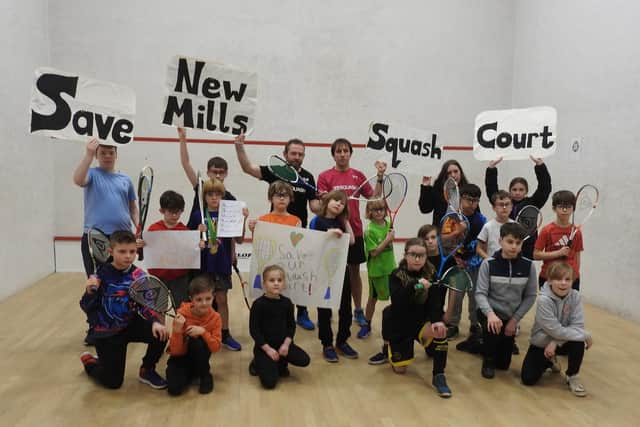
<point x="340" y="196"/>
<point x="373" y="204"/>
<point x="268" y="269"/>
<point x="558" y="270"/>
<point x="212" y="185"/>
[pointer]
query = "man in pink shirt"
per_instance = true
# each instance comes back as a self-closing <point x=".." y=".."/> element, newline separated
<point x="345" y="178"/>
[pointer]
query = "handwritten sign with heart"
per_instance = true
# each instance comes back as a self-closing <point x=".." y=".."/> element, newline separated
<point x="295" y="238"/>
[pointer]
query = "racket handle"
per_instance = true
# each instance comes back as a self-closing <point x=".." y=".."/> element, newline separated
<point x="140" y="255"/>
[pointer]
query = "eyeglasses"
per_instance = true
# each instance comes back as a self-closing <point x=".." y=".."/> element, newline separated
<point x="378" y="209"/>
<point x="471" y="199"/>
<point x="417" y="256"/>
<point x="563" y="206"/>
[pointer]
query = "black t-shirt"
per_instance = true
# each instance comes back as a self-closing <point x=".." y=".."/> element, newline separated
<point x="271" y="321"/>
<point x="323" y="224"/>
<point x="301" y="193"/>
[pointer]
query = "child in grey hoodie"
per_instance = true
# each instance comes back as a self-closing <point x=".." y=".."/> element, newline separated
<point x="558" y="329"/>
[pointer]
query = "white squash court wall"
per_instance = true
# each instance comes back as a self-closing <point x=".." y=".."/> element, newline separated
<point x="26" y="167"/>
<point x="583" y="57"/>
<point x="327" y="69"/>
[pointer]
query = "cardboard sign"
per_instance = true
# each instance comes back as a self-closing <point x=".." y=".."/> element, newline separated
<point x="314" y="263"/>
<point x="172" y="249"/>
<point x="68" y="106"/>
<point x="209" y="96"/>
<point x="404" y="148"/>
<point x="515" y="134"/>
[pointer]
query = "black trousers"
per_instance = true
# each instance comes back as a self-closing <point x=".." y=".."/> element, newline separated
<point x="345" y="317"/>
<point x="112" y="353"/>
<point x="269" y="370"/>
<point x="497" y="348"/>
<point x="535" y="363"/>
<point x="181" y="370"/>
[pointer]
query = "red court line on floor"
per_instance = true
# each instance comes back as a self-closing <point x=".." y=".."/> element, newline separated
<point x="270" y="143"/>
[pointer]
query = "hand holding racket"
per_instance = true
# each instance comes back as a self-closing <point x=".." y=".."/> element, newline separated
<point x="453" y="232"/>
<point x="153" y="296"/>
<point x="586" y="202"/>
<point x="530" y="218"/>
<point x="98" y="251"/>
<point x="145" y="183"/>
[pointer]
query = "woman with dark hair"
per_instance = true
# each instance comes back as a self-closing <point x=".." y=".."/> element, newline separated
<point x="432" y="196"/>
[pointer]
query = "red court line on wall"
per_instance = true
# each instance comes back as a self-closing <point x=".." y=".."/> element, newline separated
<point x="270" y="143"/>
<point x="78" y="238"/>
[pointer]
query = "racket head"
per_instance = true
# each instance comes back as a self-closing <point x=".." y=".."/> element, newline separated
<point x="282" y="169"/>
<point x="456" y="279"/>
<point x="451" y="235"/>
<point x="395" y="187"/>
<point x="150" y="292"/>
<point x="530" y="218"/>
<point x="98" y="245"/>
<point x="452" y="194"/>
<point x="367" y="187"/>
<point x="586" y="202"/>
<point x="145" y="184"/>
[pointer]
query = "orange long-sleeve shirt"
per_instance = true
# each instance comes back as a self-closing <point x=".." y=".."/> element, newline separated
<point x="211" y="322"/>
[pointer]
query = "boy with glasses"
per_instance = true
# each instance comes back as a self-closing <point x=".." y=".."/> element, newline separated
<point x="553" y="242"/>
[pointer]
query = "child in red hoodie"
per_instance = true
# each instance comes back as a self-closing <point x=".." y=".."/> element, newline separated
<point x="197" y="332"/>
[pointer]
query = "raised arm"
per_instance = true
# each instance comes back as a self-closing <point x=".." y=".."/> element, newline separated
<point x="80" y="175"/>
<point x="245" y="163"/>
<point x="192" y="176"/>
<point x="541" y="195"/>
<point x="491" y="178"/>
<point x="426" y="203"/>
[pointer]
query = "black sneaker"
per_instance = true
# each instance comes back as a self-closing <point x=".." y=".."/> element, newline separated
<point x="515" y="349"/>
<point x="252" y="368"/>
<point x="488" y="371"/>
<point x="452" y="332"/>
<point x="206" y="384"/>
<point x="378" y="359"/>
<point x="472" y="345"/>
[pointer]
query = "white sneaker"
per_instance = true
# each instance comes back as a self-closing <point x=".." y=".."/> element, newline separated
<point x="576" y="386"/>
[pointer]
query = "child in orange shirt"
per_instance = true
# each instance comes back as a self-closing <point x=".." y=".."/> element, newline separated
<point x="197" y="332"/>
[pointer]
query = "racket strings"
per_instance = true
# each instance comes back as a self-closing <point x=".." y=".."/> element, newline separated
<point x="586" y="202"/>
<point x="395" y="189"/>
<point x="283" y="170"/>
<point x="148" y="292"/>
<point x="451" y="193"/>
<point x="99" y="244"/>
<point x="457" y="279"/>
<point x="452" y="235"/>
<point x="530" y="218"/>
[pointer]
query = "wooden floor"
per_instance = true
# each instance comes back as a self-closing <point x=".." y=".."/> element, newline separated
<point x="42" y="382"/>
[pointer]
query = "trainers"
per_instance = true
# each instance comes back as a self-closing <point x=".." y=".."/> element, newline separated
<point x="472" y="345"/>
<point x="364" y="331"/>
<point x="488" y="371"/>
<point x="515" y="349"/>
<point x="252" y="368"/>
<point x="358" y="317"/>
<point x="347" y="351"/>
<point x="440" y="383"/>
<point x="555" y="365"/>
<point x="378" y="359"/>
<point x="231" y="344"/>
<point x="88" y="359"/>
<point x="576" y="386"/>
<point x="329" y="354"/>
<point x="206" y="384"/>
<point x="304" y="321"/>
<point x="452" y="332"/>
<point x="152" y="379"/>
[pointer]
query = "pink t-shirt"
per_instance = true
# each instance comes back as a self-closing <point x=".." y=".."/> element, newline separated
<point x="347" y="181"/>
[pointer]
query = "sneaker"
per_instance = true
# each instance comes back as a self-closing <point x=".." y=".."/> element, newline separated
<point x="89" y="340"/>
<point x="576" y="386"/>
<point x="555" y="365"/>
<point x="358" y="317"/>
<point x="378" y="359"/>
<point x="88" y="359"/>
<point x="515" y="349"/>
<point x="452" y="332"/>
<point x="347" y="351"/>
<point x="206" y="384"/>
<point x="488" y="371"/>
<point x="472" y="345"/>
<point x="252" y="368"/>
<point x="440" y="383"/>
<point x="304" y="321"/>
<point x="329" y="354"/>
<point x="231" y="344"/>
<point x="152" y="379"/>
<point x="364" y="331"/>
